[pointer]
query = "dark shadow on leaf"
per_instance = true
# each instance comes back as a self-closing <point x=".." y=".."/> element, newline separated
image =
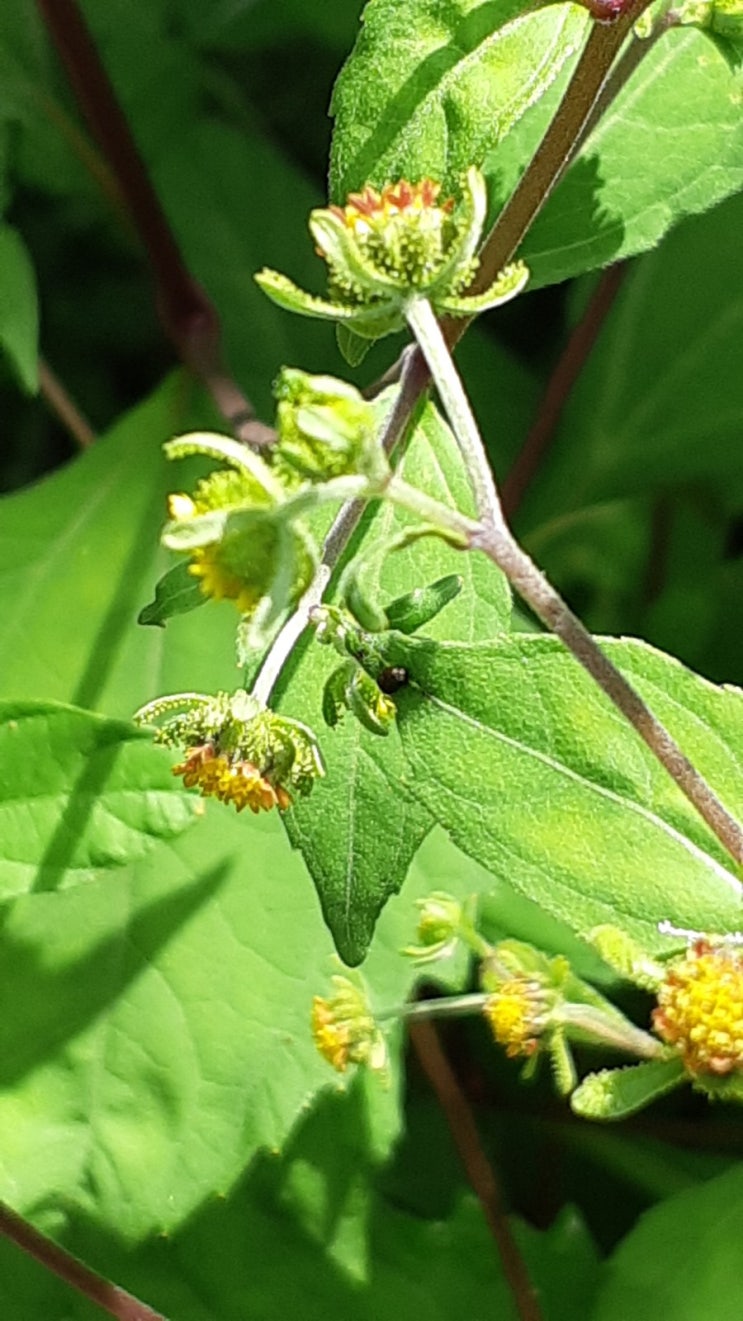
<point x="575" y="232"/>
<point x="126" y="601"/>
<point x="56" y="1001"/>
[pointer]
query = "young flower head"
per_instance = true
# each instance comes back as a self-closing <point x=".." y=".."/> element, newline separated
<point x="698" y="1018"/>
<point x="518" y="1013"/>
<point x="326" y="429"/>
<point x="700" y="1009"/>
<point x="237" y="751"/>
<point x="385" y="249"/>
<point x="240" y="548"/>
<point x="440" y="926"/>
<point x="344" y="1030"/>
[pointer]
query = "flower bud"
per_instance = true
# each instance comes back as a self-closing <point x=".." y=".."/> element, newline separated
<point x="438" y="928"/>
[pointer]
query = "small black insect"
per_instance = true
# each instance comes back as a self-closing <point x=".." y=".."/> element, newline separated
<point x="392" y="679"/>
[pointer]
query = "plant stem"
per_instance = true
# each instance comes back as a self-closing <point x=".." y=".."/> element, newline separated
<point x="478" y="1169"/>
<point x="284" y="644"/>
<point x="569" y="366"/>
<point x="424" y="325"/>
<point x="341" y="532"/>
<point x="64" y="407"/>
<point x="558" y="146"/>
<point x="450" y="1006"/>
<point x="498" y="543"/>
<point x="187" y="314"/>
<point x="624" y="1036"/>
<point x="117" y="1302"/>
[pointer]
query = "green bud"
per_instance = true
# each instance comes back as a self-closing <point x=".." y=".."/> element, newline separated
<point x="438" y="928"/>
<point x="369" y="704"/>
<point x="334" y="693"/>
<point x="326" y="429"/>
<point x="411" y="611"/>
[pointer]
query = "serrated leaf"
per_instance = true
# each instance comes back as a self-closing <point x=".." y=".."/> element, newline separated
<point x="79" y="795"/>
<point x="19" y="309"/>
<point x="684" y="1255"/>
<point x="176" y="593"/>
<point x="356" y="865"/>
<point x="670" y="145"/>
<point x="429" y="89"/>
<point x="530" y="769"/>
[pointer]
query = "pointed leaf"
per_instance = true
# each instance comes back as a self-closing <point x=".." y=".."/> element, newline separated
<point x="355" y="864"/>
<point x="523" y="760"/>
<point x="177" y="593"/>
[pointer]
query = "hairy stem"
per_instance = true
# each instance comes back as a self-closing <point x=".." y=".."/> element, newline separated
<point x="427" y="331"/>
<point x="598" y="1026"/>
<point x="340" y="533"/>
<point x="558" y="146"/>
<point x="117" y="1302"/>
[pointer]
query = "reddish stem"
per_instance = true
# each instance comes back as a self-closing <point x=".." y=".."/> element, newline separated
<point x="477" y="1167"/>
<point x="568" y="369"/>
<point x="117" y="1302"/>
<point x="188" y="316"/>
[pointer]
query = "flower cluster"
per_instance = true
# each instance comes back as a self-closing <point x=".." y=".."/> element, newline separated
<point x="700" y="1008"/>
<point x="236" y="751"/>
<point x="344" y="1030"/>
<point x="384" y="249"/>
<point x="239" y="545"/>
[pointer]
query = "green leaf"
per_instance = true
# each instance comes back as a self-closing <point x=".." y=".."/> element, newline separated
<point x="674" y="333"/>
<point x="80" y="553"/>
<point x="429" y="89"/>
<point x="356" y="865"/>
<point x="647" y="165"/>
<point x="19" y="311"/>
<point x="617" y="1093"/>
<point x="345" y="1248"/>
<point x="176" y="593"/>
<point x="79" y="795"/>
<point x="683" y="1254"/>
<point x="529" y="768"/>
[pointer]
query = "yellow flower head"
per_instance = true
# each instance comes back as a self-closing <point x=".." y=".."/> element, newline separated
<point x="700" y="1008"/>
<point x="516" y="1016"/>
<point x="344" y="1030"/>
<point x="237" y="750"/>
<point x="238" y="782"/>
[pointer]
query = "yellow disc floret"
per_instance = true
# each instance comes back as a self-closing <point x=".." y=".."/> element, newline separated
<point x="515" y="1014"/>
<point x="700" y="1008"/>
